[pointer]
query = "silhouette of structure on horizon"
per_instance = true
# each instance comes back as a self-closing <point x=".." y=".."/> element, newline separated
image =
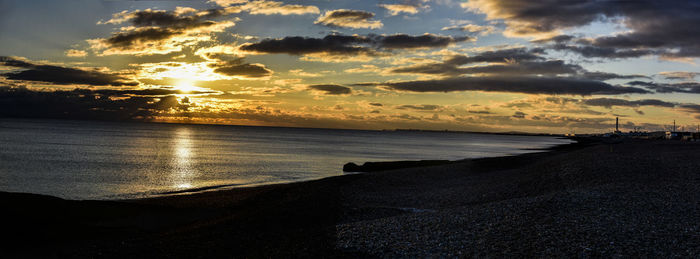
<point x="617" y="126"/>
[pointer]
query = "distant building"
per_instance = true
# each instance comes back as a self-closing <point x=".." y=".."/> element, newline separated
<point x="680" y="135"/>
<point x="657" y="135"/>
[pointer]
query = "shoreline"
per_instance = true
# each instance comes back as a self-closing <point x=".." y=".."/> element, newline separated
<point x="378" y="214"/>
<point x="225" y="187"/>
<point x="304" y="167"/>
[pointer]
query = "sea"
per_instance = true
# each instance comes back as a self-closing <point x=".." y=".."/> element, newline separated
<point x="123" y="160"/>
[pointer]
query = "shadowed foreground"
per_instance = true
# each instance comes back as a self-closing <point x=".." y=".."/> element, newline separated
<point x="636" y="198"/>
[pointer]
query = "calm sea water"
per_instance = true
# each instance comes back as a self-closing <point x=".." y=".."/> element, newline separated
<point x="106" y="160"/>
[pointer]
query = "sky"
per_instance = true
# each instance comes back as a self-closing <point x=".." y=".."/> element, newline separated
<point x="568" y="66"/>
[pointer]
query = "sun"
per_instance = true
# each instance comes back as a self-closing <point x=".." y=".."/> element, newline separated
<point x="187" y="86"/>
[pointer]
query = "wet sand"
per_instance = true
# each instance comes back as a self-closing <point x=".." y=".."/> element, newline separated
<point x="632" y="198"/>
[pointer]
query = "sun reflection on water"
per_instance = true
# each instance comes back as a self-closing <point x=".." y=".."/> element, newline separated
<point x="181" y="162"/>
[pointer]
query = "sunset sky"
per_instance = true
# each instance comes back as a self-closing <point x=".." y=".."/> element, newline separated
<point x="477" y="65"/>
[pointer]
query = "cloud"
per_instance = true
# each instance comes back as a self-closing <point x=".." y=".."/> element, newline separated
<point x="331" y="89"/>
<point x="527" y="18"/>
<point x="239" y="70"/>
<point x="515" y="84"/>
<point x="226" y="3"/>
<point x="519" y="115"/>
<point x="274" y="7"/>
<point x="479" y="112"/>
<point x="679" y="75"/>
<point x="218" y="52"/>
<point x="653" y="27"/>
<point x="422" y="107"/>
<point x="265" y="7"/>
<point x="602" y="76"/>
<point x="159" y="31"/>
<point x="471" y="28"/>
<point x="506" y="62"/>
<point x="502" y="56"/>
<point x="364" y="69"/>
<point x="86" y="104"/>
<point x="27" y="71"/>
<point x="369" y="45"/>
<point x="583" y="47"/>
<point x="162" y="18"/>
<point x="154" y="92"/>
<point x="396" y="9"/>
<point x="75" y="53"/>
<point x="405" y="41"/>
<point x="171" y="72"/>
<point x="549" y="67"/>
<point x="603" y="52"/>
<point x="685" y="87"/>
<point x="610" y="102"/>
<point x="302" y="73"/>
<point x="295" y="45"/>
<point x="692" y="108"/>
<point x="355" y="19"/>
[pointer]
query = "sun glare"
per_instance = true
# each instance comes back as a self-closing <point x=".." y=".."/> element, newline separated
<point x="186" y="86"/>
<point x="181" y="70"/>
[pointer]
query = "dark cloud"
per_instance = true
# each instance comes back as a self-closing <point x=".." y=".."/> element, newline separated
<point x="161" y="18"/>
<point x="610" y="102"/>
<point x="429" y="69"/>
<point x="13" y="62"/>
<point x="349" y="18"/>
<point x="602" y="76"/>
<point x="604" y="52"/>
<point x="348" y="45"/>
<point x="563" y="38"/>
<point x="85" y="104"/>
<point x="405" y="41"/>
<point x="333" y="44"/>
<point x="508" y="62"/>
<point x="516" y="84"/>
<point x="585" y="48"/>
<point x="243" y="70"/>
<point x="499" y="56"/>
<point x="156" y="30"/>
<point x="28" y="71"/>
<point x="125" y="40"/>
<point x="480" y="112"/>
<point x="550" y="67"/>
<point x="527" y="17"/>
<point x="685" y="87"/>
<point x="519" y="115"/>
<point x="664" y="28"/>
<point x="693" y="108"/>
<point x="422" y="107"/>
<point x="331" y="89"/>
<point x="659" y="25"/>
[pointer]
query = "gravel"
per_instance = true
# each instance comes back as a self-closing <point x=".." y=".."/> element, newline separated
<point x="637" y="198"/>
